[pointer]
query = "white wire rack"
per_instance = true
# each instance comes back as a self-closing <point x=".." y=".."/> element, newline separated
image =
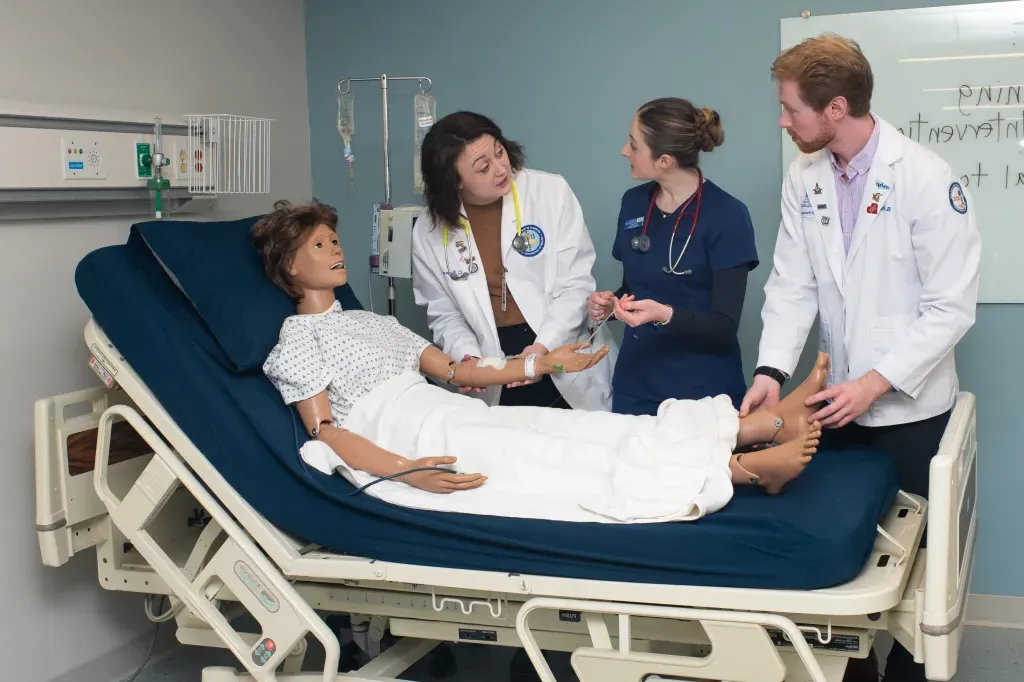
<point x="227" y="154"/>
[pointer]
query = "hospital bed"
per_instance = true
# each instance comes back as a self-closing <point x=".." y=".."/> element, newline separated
<point x="182" y="472"/>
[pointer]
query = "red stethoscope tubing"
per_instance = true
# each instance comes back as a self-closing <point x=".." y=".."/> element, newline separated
<point x="696" y="214"/>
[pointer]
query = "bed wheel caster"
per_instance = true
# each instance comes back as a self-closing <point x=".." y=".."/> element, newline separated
<point x="442" y="661"/>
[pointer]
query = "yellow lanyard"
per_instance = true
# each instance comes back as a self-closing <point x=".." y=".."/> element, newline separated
<point x="504" y="271"/>
<point x="519" y="218"/>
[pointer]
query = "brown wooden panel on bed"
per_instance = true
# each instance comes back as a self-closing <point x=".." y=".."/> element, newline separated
<point x="125" y="444"/>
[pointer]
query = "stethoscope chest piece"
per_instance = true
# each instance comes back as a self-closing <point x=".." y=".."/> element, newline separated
<point x="641" y="243"/>
<point x="519" y="243"/>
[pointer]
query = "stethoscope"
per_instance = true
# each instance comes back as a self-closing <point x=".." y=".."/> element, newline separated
<point x="641" y="243"/>
<point x="519" y="242"/>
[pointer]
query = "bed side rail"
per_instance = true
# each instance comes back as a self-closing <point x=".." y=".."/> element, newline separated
<point x="69" y="515"/>
<point x="952" y="532"/>
<point x="237" y="565"/>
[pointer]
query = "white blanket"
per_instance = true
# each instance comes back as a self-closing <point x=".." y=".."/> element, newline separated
<point x="562" y="465"/>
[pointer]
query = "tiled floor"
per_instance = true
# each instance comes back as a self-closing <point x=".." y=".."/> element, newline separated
<point x="986" y="655"/>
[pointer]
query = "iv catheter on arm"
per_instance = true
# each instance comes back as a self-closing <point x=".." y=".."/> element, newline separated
<point x="483" y="372"/>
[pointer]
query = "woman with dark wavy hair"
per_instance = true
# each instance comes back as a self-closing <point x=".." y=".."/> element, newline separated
<point x="502" y="261"/>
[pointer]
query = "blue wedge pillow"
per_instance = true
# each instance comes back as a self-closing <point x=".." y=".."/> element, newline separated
<point x="218" y="269"/>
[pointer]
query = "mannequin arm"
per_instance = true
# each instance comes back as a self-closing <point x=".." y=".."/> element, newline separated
<point x="437" y="365"/>
<point x="358" y="452"/>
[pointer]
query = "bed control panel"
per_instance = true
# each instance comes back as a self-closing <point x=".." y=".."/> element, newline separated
<point x="849" y="642"/>
<point x="476" y="635"/>
<point x="263" y="651"/>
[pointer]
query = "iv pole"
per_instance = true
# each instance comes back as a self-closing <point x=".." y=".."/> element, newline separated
<point x="344" y="88"/>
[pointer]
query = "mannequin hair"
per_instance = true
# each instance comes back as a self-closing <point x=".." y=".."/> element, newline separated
<point x="278" y="235"/>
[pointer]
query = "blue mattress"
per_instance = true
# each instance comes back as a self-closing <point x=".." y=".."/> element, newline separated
<point x="819" y="533"/>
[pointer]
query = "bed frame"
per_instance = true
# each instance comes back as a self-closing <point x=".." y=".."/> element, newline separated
<point x="164" y="522"/>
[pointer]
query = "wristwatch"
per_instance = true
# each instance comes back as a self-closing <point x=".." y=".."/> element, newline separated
<point x="776" y="374"/>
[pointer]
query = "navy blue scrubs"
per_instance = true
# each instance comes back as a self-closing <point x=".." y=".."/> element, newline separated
<point x="661" y="362"/>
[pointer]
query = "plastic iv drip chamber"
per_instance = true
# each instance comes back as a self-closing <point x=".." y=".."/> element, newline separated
<point x="424" y="109"/>
<point x="347" y="128"/>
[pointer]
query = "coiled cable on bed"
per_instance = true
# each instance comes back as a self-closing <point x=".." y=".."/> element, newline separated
<point x="166" y="615"/>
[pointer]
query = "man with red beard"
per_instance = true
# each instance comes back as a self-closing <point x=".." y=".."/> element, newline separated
<point x="879" y="240"/>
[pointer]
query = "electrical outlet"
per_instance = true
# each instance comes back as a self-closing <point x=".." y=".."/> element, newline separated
<point x="179" y="160"/>
<point x="189" y="168"/>
<point x="82" y="158"/>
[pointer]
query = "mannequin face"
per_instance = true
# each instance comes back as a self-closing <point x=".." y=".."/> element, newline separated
<point x="484" y="171"/>
<point x="319" y="263"/>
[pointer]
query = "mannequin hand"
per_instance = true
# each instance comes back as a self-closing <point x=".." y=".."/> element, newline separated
<point x="762" y="395"/>
<point x="635" y="313"/>
<point x="540" y="350"/>
<point x="470" y="389"/>
<point x="600" y="305"/>
<point x="566" y="359"/>
<point x="850" y="399"/>
<point x="440" y="481"/>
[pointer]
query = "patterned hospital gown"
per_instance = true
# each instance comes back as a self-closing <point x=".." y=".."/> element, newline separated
<point x="348" y="352"/>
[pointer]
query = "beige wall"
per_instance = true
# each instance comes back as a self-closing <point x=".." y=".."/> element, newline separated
<point x="242" y="57"/>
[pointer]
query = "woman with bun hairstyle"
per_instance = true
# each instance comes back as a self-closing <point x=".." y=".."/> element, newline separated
<point x="686" y="247"/>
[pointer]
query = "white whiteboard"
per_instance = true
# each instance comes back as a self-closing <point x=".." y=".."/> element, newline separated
<point x="952" y="78"/>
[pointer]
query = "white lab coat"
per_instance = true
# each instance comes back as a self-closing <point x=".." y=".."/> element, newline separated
<point x="550" y="288"/>
<point x="902" y="297"/>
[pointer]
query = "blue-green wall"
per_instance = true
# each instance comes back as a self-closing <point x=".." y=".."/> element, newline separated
<point x="564" y="78"/>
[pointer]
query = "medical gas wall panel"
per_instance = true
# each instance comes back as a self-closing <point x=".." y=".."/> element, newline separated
<point x="48" y="158"/>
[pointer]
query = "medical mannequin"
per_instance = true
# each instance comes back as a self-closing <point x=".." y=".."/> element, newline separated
<point x="300" y="252"/>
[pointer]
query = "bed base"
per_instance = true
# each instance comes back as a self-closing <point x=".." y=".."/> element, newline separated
<point x="165" y="523"/>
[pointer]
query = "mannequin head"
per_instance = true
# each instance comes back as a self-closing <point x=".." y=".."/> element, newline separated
<point x="299" y="248"/>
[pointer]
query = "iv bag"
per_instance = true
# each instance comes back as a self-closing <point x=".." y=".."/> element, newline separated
<point x="347" y="128"/>
<point x="424" y="106"/>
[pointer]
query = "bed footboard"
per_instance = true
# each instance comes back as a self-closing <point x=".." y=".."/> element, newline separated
<point x="952" y="532"/>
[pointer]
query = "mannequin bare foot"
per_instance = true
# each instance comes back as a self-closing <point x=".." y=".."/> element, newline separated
<point x="773" y="468"/>
<point x="789" y="419"/>
<point x="792" y="411"/>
